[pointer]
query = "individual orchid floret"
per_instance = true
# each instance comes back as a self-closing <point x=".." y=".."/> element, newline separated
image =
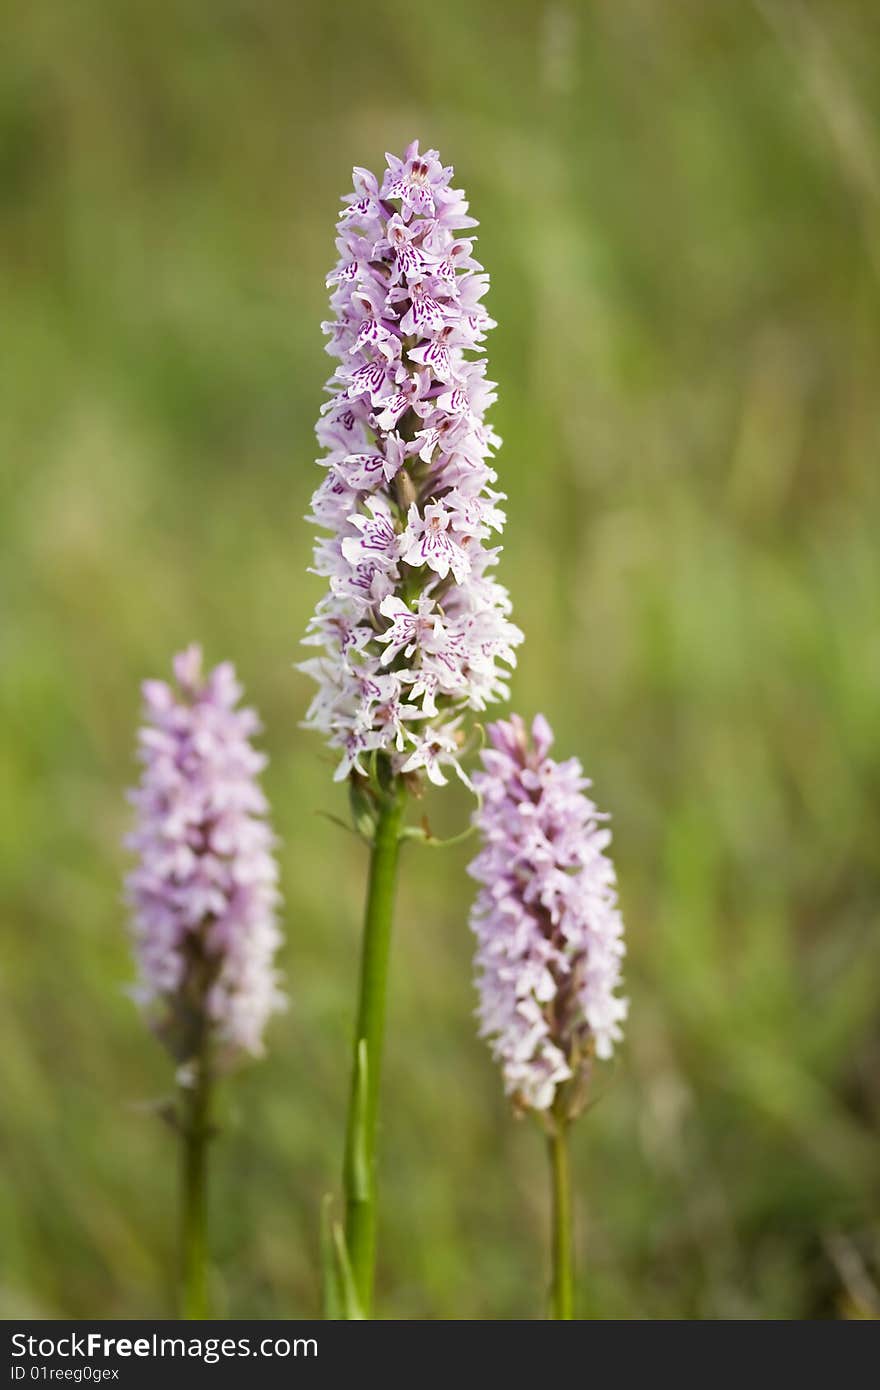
<point x="407" y="503"/>
<point x="549" y="932"/>
<point x="204" y="891"/>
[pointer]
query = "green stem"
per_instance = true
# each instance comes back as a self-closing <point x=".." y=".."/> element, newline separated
<point x="359" y="1174"/>
<point x="195" y="1120"/>
<point x="562" y="1292"/>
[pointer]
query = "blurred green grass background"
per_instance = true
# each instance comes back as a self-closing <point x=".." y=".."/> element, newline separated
<point x="680" y="209"/>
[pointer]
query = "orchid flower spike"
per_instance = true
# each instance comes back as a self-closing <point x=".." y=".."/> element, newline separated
<point x="548" y="928"/>
<point x="203" y="893"/>
<point x="414" y="629"/>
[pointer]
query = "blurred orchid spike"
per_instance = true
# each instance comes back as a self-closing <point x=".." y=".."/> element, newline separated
<point x="549" y="932"/>
<point x="204" y="891"/>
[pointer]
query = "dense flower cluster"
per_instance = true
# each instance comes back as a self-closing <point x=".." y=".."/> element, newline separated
<point x="414" y="626"/>
<point x="203" y="893"/>
<point x="549" y="933"/>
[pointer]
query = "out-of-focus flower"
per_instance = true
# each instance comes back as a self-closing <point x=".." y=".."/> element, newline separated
<point x="549" y="932"/>
<point x="203" y="893"/>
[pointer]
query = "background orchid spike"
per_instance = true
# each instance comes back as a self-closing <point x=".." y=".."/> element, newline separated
<point x="414" y="627"/>
<point x="549" y="933"/>
<point x="204" y="891"/>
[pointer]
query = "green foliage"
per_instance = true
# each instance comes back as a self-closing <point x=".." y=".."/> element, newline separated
<point x="679" y="208"/>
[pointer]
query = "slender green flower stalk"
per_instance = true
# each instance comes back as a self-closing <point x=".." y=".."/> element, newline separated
<point x="562" y="1285"/>
<point x="196" y="1130"/>
<point x="203" y="896"/>
<point x="549" y="947"/>
<point x="414" y="630"/>
<point x="359" y="1174"/>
